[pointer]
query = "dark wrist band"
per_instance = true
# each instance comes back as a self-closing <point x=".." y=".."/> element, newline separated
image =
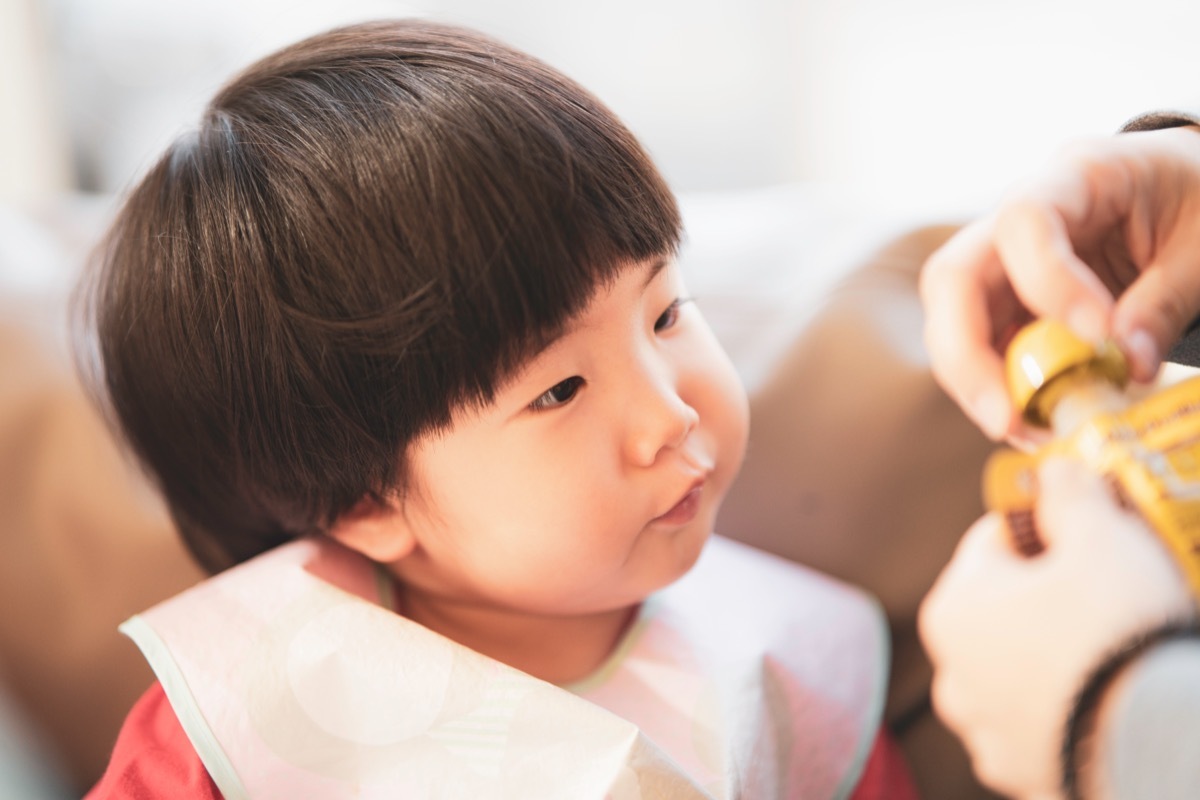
<point x="1082" y="717"/>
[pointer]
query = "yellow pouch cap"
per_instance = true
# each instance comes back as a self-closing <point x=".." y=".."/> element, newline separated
<point x="1150" y="451"/>
<point x="1042" y="358"/>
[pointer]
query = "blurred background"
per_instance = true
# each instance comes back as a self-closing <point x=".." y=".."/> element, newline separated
<point x="926" y="100"/>
<point x="778" y="121"/>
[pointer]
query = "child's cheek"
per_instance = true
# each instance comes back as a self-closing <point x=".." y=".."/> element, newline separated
<point x="730" y="413"/>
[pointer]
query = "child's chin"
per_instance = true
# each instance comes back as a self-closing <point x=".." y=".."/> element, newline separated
<point x="689" y="547"/>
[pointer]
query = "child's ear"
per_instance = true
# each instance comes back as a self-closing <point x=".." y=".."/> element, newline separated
<point x="376" y="528"/>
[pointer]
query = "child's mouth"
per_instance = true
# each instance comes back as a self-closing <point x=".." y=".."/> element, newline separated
<point x="685" y="510"/>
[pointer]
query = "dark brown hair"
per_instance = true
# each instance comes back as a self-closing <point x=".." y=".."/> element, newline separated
<point x="369" y="229"/>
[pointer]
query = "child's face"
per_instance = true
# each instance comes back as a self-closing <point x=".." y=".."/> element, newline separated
<point x="595" y="477"/>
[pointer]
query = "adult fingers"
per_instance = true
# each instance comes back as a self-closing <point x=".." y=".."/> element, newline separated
<point x="1035" y="245"/>
<point x="949" y="702"/>
<point x="1152" y="314"/>
<point x="942" y="618"/>
<point x="956" y="287"/>
<point x="1073" y="502"/>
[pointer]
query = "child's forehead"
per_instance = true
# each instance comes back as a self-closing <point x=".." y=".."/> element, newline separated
<point x="539" y="360"/>
<point x="633" y="278"/>
<point x="631" y="281"/>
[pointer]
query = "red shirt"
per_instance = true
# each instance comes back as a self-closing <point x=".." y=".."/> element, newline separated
<point x="154" y="759"/>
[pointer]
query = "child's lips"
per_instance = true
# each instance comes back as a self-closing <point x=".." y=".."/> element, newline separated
<point x="685" y="510"/>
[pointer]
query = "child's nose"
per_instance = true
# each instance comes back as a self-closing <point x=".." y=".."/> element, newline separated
<point x="659" y="419"/>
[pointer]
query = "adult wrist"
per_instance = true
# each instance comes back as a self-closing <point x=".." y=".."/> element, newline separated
<point x="1081" y="739"/>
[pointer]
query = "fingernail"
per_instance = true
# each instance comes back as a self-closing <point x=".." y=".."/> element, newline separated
<point x="993" y="412"/>
<point x="1029" y="440"/>
<point x="1087" y="322"/>
<point x="1141" y="348"/>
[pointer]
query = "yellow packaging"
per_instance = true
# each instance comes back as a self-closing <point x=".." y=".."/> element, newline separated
<point x="1150" y="450"/>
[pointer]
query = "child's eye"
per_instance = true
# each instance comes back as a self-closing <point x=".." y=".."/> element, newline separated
<point x="557" y="395"/>
<point x="669" y="317"/>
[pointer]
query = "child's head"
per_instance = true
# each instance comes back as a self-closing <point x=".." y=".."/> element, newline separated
<point x="375" y="235"/>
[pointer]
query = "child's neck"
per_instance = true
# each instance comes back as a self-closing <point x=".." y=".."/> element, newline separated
<point x="559" y="650"/>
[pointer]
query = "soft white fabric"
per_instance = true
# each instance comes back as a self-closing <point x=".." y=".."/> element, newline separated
<point x="748" y="677"/>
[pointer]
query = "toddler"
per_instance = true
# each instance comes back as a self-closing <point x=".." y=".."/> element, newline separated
<point x="399" y="332"/>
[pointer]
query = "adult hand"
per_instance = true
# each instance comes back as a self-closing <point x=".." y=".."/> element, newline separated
<point x="1012" y="638"/>
<point x="1118" y="217"/>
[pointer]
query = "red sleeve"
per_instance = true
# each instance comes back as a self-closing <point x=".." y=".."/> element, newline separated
<point x="886" y="775"/>
<point x="153" y="758"/>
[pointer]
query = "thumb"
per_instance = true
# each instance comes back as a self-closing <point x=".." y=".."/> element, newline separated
<point x="1154" y="312"/>
<point x="1073" y="502"/>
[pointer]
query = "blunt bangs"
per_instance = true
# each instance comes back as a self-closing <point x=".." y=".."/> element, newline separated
<point x="370" y="229"/>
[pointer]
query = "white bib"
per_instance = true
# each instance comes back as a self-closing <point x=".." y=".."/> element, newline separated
<point x="751" y="677"/>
